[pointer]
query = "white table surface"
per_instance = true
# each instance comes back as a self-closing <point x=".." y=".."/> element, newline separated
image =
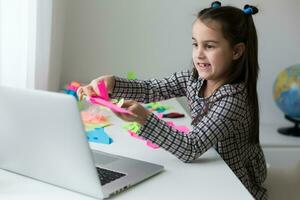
<point x="206" y="178"/>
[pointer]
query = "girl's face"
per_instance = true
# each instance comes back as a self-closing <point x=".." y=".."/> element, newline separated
<point x="212" y="53"/>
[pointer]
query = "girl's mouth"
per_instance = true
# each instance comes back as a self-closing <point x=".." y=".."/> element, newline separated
<point x="203" y="65"/>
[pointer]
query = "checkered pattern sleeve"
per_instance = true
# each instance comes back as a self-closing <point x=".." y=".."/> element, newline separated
<point x="216" y="125"/>
<point x="152" y="90"/>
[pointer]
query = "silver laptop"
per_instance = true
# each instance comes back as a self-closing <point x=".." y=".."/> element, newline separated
<point x="42" y="137"/>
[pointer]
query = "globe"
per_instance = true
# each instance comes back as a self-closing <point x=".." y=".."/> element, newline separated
<point x="286" y="93"/>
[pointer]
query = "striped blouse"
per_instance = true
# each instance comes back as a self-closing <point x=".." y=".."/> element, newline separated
<point x="224" y="125"/>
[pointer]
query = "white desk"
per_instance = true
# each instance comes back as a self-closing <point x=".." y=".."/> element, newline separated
<point x="207" y="178"/>
<point x="269" y="136"/>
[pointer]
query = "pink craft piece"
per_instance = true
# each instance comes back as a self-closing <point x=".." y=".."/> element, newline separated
<point x="135" y="135"/>
<point x="183" y="129"/>
<point x="152" y="145"/>
<point x="159" y="115"/>
<point x="103" y="100"/>
<point x="108" y="104"/>
<point x="103" y="91"/>
<point x="170" y="123"/>
<point x="71" y="87"/>
<point x="148" y="142"/>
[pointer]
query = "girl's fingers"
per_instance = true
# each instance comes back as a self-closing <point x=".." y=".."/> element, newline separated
<point x="94" y="85"/>
<point x="128" y="103"/>
<point x="118" y="114"/>
<point x="78" y="92"/>
<point x="92" y="88"/>
<point x="127" y="117"/>
<point x="88" y="91"/>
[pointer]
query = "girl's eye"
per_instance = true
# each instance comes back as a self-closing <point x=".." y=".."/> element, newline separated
<point x="207" y="46"/>
<point x="195" y="44"/>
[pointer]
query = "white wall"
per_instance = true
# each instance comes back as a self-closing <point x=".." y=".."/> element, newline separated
<point x="153" y="38"/>
<point x="57" y="44"/>
<point x="149" y="37"/>
<point x="278" y="28"/>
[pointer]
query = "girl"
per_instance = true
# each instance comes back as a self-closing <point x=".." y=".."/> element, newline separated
<point x="221" y="90"/>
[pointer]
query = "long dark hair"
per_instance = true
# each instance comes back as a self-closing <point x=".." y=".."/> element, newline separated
<point x="237" y="26"/>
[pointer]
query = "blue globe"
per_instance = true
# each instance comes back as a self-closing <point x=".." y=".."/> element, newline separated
<point x="286" y="91"/>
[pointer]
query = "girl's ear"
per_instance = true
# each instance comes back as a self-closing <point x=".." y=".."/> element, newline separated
<point x="238" y="50"/>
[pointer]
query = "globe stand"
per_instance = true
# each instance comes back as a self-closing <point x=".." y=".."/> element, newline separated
<point x="291" y="131"/>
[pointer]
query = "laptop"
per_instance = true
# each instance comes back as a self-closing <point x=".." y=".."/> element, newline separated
<point x="42" y="137"/>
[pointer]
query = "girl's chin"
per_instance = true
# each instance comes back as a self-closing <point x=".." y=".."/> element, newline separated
<point x="202" y="73"/>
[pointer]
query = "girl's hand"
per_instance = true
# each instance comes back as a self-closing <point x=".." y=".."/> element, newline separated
<point x="92" y="88"/>
<point x="140" y="114"/>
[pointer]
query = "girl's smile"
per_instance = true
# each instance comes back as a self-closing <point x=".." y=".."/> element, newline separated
<point x="203" y="66"/>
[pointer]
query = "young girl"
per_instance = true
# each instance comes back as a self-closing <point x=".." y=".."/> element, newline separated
<point x="221" y="91"/>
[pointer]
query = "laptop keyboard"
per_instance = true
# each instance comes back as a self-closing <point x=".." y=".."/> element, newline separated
<point x="107" y="176"/>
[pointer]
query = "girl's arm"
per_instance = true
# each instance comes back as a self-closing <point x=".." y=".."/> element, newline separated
<point x="218" y="124"/>
<point x="152" y="90"/>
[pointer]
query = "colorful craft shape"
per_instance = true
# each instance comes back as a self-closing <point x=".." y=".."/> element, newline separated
<point x="103" y="100"/>
<point x="71" y="88"/>
<point x="131" y="75"/>
<point x="107" y="104"/>
<point x="102" y="89"/>
<point x="148" y="142"/>
<point x="158" y="107"/>
<point x="134" y="127"/>
<point x="99" y="136"/>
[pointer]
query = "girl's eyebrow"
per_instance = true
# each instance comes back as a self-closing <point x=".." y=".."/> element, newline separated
<point x="214" y="41"/>
<point x="207" y="41"/>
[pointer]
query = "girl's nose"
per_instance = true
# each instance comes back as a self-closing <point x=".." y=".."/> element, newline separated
<point x="200" y="53"/>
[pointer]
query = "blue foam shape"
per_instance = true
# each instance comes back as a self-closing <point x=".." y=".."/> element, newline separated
<point x="71" y="92"/>
<point x="160" y="110"/>
<point x="98" y="135"/>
